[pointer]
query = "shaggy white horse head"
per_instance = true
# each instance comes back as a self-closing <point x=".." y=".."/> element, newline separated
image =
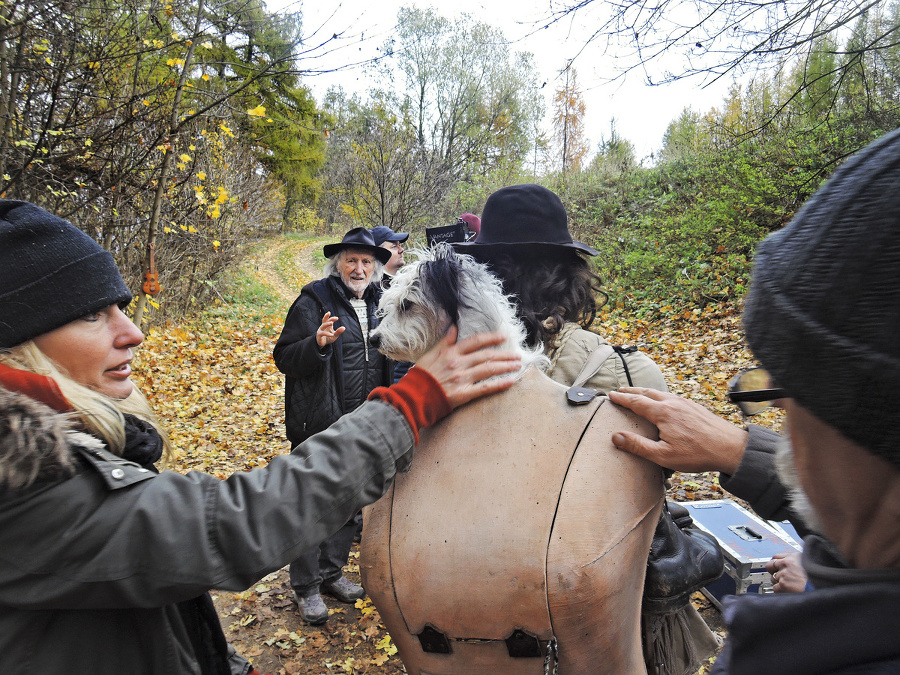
<point x="440" y="289"/>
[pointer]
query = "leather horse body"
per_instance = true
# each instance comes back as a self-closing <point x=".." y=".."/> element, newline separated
<point x="519" y="522"/>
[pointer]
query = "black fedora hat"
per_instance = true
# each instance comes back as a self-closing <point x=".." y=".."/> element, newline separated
<point x="523" y="215"/>
<point x="358" y="237"/>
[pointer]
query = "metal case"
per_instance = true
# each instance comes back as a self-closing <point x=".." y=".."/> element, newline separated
<point x="748" y="543"/>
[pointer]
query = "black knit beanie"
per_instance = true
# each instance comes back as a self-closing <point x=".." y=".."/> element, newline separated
<point x="823" y="313"/>
<point x="51" y="273"/>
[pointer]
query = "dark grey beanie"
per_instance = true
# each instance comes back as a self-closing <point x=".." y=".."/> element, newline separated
<point x="823" y="313"/>
<point x="51" y="273"/>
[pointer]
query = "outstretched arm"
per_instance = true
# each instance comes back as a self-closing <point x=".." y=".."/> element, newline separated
<point x="693" y="439"/>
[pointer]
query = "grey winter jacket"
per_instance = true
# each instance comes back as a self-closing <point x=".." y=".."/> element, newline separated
<point x="91" y="563"/>
<point x="756" y="480"/>
<point x="322" y="385"/>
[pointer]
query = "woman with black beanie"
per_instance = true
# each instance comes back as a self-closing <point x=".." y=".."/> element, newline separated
<point x="105" y="563"/>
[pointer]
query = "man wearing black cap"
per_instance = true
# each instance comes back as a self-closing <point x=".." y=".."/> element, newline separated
<point x="330" y="369"/>
<point x="386" y="238"/>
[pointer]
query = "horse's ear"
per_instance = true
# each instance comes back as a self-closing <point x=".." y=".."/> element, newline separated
<point x="440" y="281"/>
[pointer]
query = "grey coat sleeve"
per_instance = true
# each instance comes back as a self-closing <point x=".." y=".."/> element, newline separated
<point x="79" y="544"/>
<point x="756" y="480"/>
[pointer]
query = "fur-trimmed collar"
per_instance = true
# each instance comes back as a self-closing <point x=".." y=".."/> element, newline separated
<point x="35" y="441"/>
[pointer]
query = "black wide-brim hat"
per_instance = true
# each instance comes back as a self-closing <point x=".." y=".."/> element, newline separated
<point x="358" y="237"/>
<point x="523" y="215"/>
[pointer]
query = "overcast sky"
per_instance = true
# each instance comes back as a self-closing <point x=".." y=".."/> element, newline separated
<point x="642" y="112"/>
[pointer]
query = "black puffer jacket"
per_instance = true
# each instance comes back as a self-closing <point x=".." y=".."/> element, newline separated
<point x="322" y="385"/>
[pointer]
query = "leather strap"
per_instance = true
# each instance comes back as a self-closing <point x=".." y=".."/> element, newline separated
<point x="577" y="394"/>
<point x="594" y="363"/>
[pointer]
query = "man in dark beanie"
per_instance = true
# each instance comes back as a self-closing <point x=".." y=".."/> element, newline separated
<point x="823" y="317"/>
<point x="46" y="260"/>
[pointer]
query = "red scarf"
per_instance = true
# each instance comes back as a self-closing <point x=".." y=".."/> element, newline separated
<point x="39" y="387"/>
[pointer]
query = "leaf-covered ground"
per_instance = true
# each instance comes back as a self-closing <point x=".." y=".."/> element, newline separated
<point x="213" y="383"/>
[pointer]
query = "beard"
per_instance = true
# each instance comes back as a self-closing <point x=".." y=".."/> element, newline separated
<point x="358" y="286"/>
<point x="787" y="474"/>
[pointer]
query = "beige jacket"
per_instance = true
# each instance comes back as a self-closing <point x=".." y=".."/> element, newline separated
<point x="571" y="349"/>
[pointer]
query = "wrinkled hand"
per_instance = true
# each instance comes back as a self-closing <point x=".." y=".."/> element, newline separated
<point x="691" y="438"/>
<point x="327" y="333"/>
<point x="787" y="573"/>
<point x="462" y="368"/>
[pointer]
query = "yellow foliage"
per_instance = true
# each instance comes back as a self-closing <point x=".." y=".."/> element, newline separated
<point x="385" y="645"/>
<point x="258" y="111"/>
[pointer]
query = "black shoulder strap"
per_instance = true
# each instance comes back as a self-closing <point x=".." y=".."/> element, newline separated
<point x="621" y="351"/>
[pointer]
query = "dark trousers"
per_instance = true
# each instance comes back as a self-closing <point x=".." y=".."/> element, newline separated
<point x="323" y="563"/>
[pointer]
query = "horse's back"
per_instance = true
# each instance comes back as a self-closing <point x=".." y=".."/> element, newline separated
<point x="518" y="523"/>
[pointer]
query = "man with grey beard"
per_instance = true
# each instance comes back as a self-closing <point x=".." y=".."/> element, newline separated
<point x="823" y="318"/>
<point x="330" y="369"/>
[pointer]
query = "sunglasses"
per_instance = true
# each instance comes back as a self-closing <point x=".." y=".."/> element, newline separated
<point x="754" y="390"/>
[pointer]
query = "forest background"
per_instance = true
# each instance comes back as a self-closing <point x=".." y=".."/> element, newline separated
<point x="177" y="132"/>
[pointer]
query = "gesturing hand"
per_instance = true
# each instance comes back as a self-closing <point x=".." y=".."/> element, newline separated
<point x="462" y="368"/>
<point x="327" y="333"/>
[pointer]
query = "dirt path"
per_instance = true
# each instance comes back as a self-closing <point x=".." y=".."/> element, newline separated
<point x="286" y="264"/>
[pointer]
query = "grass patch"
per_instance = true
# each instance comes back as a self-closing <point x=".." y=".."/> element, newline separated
<point x="243" y="296"/>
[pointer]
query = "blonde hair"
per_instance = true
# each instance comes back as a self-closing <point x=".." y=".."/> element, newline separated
<point x="99" y="415"/>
